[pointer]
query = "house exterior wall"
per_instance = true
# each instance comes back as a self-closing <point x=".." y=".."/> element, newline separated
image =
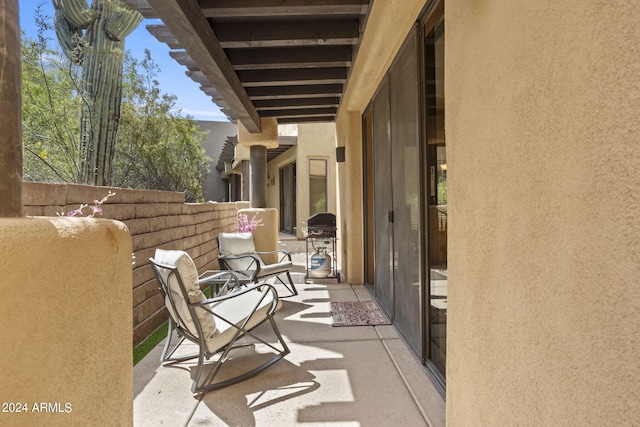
<point x="215" y="188"/>
<point x="315" y="141"/>
<point x="544" y="188"/>
<point x="543" y="197"/>
<point x="273" y="175"/>
<point x="350" y="222"/>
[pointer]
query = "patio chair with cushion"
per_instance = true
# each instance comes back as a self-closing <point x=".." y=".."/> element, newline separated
<point x="238" y="253"/>
<point x="215" y="324"/>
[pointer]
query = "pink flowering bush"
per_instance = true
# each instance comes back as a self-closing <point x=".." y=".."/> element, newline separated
<point x="93" y="210"/>
<point x="244" y="224"/>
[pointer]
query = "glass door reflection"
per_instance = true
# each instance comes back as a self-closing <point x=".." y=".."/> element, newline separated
<point x="436" y="200"/>
<point x="438" y="261"/>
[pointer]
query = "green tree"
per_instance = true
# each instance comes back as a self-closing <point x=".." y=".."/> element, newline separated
<point x="157" y="149"/>
<point x="93" y="38"/>
<point x="50" y="110"/>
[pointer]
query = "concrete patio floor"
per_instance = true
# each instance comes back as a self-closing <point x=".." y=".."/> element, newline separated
<point x="334" y="376"/>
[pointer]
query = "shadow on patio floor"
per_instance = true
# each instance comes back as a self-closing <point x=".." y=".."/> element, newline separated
<point x="343" y="376"/>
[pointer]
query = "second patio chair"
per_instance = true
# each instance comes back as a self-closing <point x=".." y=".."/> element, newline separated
<point x="216" y="324"/>
<point x="238" y="253"/>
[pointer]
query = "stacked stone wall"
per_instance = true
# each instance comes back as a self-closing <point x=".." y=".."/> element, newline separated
<point x="155" y="219"/>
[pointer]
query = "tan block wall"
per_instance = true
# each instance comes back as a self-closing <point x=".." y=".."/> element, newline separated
<point x="66" y="322"/>
<point x="155" y="219"/>
<point x="544" y="193"/>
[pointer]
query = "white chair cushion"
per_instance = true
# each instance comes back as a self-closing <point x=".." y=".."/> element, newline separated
<point x="236" y="310"/>
<point x="189" y="275"/>
<point x="236" y="244"/>
<point x="281" y="267"/>
<point x="246" y="262"/>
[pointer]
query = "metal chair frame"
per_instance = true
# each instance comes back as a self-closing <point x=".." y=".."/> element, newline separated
<point x="231" y="289"/>
<point x="257" y="271"/>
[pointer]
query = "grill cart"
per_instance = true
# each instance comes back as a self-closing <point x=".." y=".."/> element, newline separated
<point x="321" y="247"/>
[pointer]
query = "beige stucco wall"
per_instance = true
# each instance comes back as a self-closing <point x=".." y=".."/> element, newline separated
<point x="544" y="193"/>
<point x="265" y="235"/>
<point x="66" y="321"/>
<point x="268" y="135"/>
<point x="350" y="221"/>
<point x="273" y="175"/>
<point x="314" y="141"/>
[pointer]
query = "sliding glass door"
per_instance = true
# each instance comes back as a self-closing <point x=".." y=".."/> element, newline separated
<point x="405" y="179"/>
<point x="436" y="198"/>
<point x="395" y="160"/>
<point x="405" y="166"/>
<point x="382" y="201"/>
<point x="288" y="198"/>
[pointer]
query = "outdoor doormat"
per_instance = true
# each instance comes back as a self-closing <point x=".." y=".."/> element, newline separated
<point x="357" y="313"/>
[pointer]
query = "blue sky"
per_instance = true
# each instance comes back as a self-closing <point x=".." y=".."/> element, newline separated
<point x="172" y="77"/>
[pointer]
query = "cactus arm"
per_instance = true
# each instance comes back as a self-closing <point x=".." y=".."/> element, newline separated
<point x="122" y="23"/>
<point x="69" y="37"/>
<point x="77" y="12"/>
<point x="95" y="35"/>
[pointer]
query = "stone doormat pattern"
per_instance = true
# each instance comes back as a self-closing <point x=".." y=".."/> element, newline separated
<point x="357" y="313"/>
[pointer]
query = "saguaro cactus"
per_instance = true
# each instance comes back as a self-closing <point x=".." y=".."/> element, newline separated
<point x="93" y="37"/>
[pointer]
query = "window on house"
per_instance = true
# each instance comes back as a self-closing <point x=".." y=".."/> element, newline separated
<point x="317" y="186"/>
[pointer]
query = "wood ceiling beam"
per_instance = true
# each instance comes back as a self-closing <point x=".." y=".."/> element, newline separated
<point x="199" y="77"/>
<point x="276" y="104"/>
<point x="212" y="93"/>
<point x="183" y="58"/>
<point x="286" y="84"/>
<point x="162" y="34"/>
<point x="293" y="112"/>
<point x="286" y="120"/>
<point x="187" y="23"/>
<point x="293" y="33"/>
<point x="143" y="7"/>
<point x="262" y="8"/>
<point x="283" y="92"/>
<point x="290" y="57"/>
<point x="293" y="76"/>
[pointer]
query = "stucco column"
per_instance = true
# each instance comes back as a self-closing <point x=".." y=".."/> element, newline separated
<point x="258" y="144"/>
<point x="245" y="181"/>
<point x="241" y="167"/>
<point x="52" y="332"/>
<point x="258" y="176"/>
<point x="349" y="133"/>
<point x="265" y="236"/>
<point x="10" y="113"/>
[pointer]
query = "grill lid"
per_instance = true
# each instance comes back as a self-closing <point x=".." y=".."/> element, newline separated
<point x="322" y="220"/>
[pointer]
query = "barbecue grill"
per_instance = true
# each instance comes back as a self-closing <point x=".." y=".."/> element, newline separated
<point x="321" y="235"/>
<point x="322" y="224"/>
